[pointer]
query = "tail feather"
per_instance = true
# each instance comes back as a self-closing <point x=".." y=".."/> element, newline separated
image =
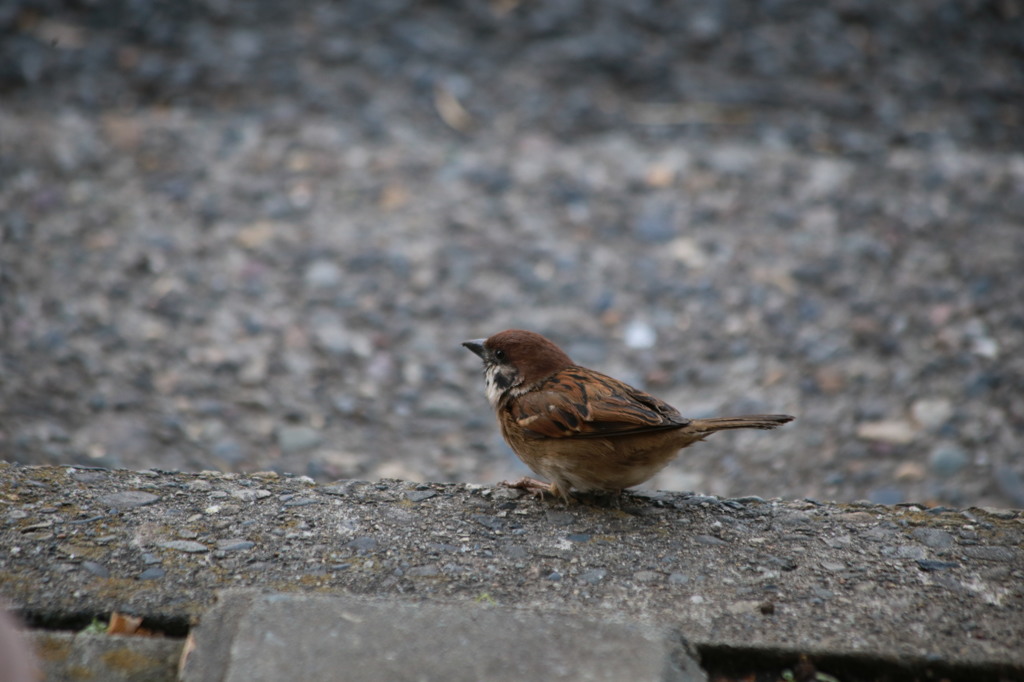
<point x="749" y="421"/>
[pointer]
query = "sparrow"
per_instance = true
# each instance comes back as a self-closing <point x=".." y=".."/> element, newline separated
<point x="582" y="429"/>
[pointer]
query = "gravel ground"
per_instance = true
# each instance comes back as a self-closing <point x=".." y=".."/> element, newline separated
<point x="247" y="238"/>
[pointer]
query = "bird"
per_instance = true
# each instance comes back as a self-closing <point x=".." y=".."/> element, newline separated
<point x="580" y="429"/>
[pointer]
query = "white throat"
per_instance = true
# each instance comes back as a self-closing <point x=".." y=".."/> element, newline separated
<point x="493" y="390"/>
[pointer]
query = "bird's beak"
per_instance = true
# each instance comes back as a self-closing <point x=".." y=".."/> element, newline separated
<point x="476" y="345"/>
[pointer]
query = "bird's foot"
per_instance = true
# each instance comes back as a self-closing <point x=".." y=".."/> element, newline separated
<point x="532" y="486"/>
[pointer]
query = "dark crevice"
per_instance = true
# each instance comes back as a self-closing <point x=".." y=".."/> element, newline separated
<point x="725" y="664"/>
<point x="168" y="626"/>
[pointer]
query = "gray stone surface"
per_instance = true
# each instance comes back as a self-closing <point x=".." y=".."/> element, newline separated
<point x="251" y="637"/>
<point x="900" y="583"/>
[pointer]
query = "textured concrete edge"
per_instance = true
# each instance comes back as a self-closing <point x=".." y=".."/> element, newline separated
<point x="218" y="626"/>
<point x="399" y="639"/>
<point x="53" y="585"/>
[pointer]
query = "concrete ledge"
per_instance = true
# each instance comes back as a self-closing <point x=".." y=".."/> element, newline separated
<point x="891" y="583"/>
<point x="315" y="637"/>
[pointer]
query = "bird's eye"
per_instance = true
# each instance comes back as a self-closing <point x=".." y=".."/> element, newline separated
<point x="499" y="354"/>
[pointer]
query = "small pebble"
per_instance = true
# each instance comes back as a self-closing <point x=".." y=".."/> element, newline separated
<point x="98" y="570"/>
<point x="250" y="494"/>
<point x="931" y="413"/>
<point x="709" y="540"/>
<point x="896" y="431"/>
<point x="419" y="495"/>
<point x="427" y="571"/>
<point x="128" y="499"/>
<point x="491" y="522"/>
<point x="362" y="544"/>
<point x="292" y="439"/>
<point x="638" y="334"/>
<point x="931" y="565"/>
<point x="188" y="546"/>
<point x="947" y="460"/>
<point x="323" y="274"/>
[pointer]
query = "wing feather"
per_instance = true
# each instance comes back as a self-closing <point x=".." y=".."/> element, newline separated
<point x="579" y="403"/>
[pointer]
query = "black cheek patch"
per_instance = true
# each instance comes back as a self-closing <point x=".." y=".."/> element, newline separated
<point x="502" y="381"/>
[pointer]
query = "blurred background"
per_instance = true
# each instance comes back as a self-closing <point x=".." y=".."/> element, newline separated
<point x="252" y="235"/>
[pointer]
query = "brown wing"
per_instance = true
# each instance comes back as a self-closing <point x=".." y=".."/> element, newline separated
<point x="582" y="403"/>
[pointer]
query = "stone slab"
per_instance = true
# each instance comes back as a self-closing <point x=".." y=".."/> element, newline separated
<point x="251" y="637"/>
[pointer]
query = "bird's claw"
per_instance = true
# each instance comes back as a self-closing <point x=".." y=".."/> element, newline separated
<point x="531" y="485"/>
